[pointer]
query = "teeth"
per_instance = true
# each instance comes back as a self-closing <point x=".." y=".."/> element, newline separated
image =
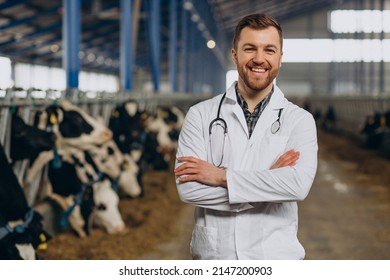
<point x="258" y="70"/>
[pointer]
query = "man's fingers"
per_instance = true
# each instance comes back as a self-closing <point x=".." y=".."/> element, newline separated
<point x="289" y="158"/>
<point x="187" y="159"/>
<point x="184" y="166"/>
<point x="184" y="171"/>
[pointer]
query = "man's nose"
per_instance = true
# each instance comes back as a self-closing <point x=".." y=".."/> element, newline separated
<point x="258" y="57"/>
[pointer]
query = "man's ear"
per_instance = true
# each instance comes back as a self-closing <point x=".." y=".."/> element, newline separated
<point x="234" y="56"/>
<point x="281" y="58"/>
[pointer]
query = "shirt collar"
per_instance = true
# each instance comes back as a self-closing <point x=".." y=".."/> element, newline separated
<point x="241" y="101"/>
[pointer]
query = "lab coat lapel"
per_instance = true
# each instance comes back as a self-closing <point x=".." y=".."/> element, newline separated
<point x="239" y="114"/>
<point x="236" y="113"/>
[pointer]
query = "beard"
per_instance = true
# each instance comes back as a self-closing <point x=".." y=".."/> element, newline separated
<point x="257" y="83"/>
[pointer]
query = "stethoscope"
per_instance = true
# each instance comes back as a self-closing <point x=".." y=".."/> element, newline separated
<point x="221" y="122"/>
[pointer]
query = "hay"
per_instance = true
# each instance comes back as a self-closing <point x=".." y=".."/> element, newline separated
<point x="150" y="220"/>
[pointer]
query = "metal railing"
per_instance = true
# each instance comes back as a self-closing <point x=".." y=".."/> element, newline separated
<point x="101" y="105"/>
<point x="350" y="115"/>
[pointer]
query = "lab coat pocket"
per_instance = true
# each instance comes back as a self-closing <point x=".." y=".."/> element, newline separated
<point x="204" y="243"/>
<point x="277" y="140"/>
<point x="273" y="147"/>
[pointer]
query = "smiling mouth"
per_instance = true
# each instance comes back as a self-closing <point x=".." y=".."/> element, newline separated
<point x="257" y="70"/>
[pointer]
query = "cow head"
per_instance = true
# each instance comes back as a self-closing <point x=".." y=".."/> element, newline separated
<point x="121" y="169"/>
<point x="126" y="123"/>
<point x="73" y="196"/>
<point x="25" y="235"/>
<point x="23" y="224"/>
<point x="106" y="213"/>
<point x="30" y="232"/>
<point x="8" y="249"/>
<point x="129" y="179"/>
<point x="77" y="210"/>
<point x="73" y="126"/>
<point x="28" y="141"/>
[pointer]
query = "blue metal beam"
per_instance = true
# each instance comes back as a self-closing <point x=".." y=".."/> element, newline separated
<point x="184" y="46"/>
<point x="71" y="42"/>
<point x="155" y="41"/>
<point x="126" y="52"/>
<point x="192" y="71"/>
<point x="173" y="45"/>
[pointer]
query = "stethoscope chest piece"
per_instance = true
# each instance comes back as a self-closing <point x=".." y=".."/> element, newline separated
<point x="275" y="126"/>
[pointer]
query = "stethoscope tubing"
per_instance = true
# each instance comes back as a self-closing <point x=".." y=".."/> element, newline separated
<point x="275" y="126"/>
<point x="220" y="121"/>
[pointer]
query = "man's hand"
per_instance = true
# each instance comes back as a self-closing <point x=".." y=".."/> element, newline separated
<point x="289" y="158"/>
<point x="194" y="169"/>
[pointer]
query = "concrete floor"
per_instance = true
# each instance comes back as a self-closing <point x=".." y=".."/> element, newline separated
<point x="345" y="217"/>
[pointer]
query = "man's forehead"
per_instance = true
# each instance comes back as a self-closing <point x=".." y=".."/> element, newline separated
<point x="267" y="35"/>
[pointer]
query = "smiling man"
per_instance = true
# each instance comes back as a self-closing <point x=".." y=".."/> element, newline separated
<point x="247" y="156"/>
<point x="258" y="56"/>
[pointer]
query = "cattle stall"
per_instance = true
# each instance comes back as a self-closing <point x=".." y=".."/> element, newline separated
<point x="346" y="116"/>
<point x="24" y="104"/>
<point x="349" y="113"/>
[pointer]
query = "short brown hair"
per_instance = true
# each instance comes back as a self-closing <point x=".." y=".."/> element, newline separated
<point x="257" y="22"/>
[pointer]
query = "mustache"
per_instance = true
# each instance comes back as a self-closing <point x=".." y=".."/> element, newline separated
<point x="262" y="65"/>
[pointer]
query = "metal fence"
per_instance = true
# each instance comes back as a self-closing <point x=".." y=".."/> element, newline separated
<point x="350" y="115"/>
<point x="100" y="105"/>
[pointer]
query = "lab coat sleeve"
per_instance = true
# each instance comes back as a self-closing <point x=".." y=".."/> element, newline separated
<point x="192" y="143"/>
<point x="281" y="184"/>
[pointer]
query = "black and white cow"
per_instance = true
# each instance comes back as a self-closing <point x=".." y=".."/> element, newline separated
<point x="21" y="228"/>
<point x="74" y="126"/>
<point x="167" y="123"/>
<point x="74" y="130"/>
<point x="75" y="185"/>
<point x="105" y="213"/>
<point x="74" y="198"/>
<point x="28" y="141"/>
<point x="128" y="124"/>
<point x="8" y="249"/>
<point x="120" y="168"/>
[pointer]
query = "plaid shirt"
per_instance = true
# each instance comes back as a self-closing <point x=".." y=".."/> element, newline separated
<point x="252" y="118"/>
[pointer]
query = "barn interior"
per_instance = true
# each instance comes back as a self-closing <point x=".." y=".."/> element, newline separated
<point x="99" y="55"/>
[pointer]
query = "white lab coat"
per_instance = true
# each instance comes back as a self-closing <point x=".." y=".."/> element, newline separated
<point x="256" y="217"/>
